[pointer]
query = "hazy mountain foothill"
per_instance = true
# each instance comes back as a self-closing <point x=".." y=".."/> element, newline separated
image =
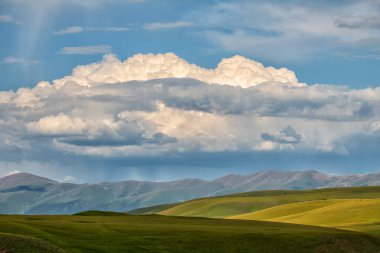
<point x="24" y="193"/>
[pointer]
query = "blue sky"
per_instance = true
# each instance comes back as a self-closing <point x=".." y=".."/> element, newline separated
<point x="96" y="123"/>
<point x="198" y="31"/>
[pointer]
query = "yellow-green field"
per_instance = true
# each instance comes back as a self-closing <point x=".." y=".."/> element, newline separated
<point x="339" y="213"/>
<point x="356" y="208"/>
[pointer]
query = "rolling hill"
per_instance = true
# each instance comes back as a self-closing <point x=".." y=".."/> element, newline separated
<point x="331" y="213"/>
<point x="235" y="204"/>
<point x="356" y="208"/>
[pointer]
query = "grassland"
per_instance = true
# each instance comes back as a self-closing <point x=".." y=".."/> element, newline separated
<point x="236" y="204"/>
<point x="25" y="244"/>
<point x="92" y="232"/>
<point x="331" y="213"/>
<point x="266" y="221"/>
<point x="356" y="208"/>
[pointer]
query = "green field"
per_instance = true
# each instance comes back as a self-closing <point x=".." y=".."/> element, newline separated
<point x="356" y="208"/>
<point x="114" y="232"/>
<point x="331" y="213"/>
<point x="229" y="205"/>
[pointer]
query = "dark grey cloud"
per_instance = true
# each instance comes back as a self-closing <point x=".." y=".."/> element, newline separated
<point x="132" y="139"/>
<point x="267" y="99"/>
<point x="286" y="136"/>
<point x="357" y="22"/>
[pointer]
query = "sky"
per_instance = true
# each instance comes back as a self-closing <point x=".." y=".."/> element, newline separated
<point x="96" y="90"/>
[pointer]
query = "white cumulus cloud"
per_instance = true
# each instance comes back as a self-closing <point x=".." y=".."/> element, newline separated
<point x="57" y="125"/>
<point x="235" y="71"/>
<point x="163" y="107"/>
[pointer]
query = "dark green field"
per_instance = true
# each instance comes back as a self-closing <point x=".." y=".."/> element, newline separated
<point x="154" y="233"/>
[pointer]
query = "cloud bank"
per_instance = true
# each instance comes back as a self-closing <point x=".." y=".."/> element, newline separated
<point x="161" y="107"/>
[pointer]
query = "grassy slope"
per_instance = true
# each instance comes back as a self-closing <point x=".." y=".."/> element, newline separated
<point x="356" y="208"/>
<point x="236" y="204"/>
<point x="331" y="213"/>
<point x="126" y="233"/>
<point x="99" y="213"/>
<point x="151" y="209"/>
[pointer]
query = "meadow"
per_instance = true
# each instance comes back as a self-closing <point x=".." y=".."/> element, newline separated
<point x="114" y="232"/>
<point x="355" y="208"/>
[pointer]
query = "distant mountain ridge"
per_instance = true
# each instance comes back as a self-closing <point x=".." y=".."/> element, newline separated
<point x="25" y="193"/>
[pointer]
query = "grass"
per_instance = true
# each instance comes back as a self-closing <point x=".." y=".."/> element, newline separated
<point x="10" y="243"/>
<point x="340" y="213"/>
<point x="236" y="204"/>
<point x="267" y="225"/>
<point x="151" y="209"/>
<point x="99" y="213"/>
<point x="155" y="233"/>
<point x="355" y="208"/>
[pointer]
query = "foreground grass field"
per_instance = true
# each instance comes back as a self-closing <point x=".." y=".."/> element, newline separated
<point x="102" y="232"/>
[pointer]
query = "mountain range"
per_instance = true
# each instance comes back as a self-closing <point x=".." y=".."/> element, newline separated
<point x="25" y="193"/>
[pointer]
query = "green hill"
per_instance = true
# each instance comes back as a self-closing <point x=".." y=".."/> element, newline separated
<point x="230" y="205"/>
<point x="155" y="233"/>
<point x="331" y="213"/>
<point x="356" y="208"/>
